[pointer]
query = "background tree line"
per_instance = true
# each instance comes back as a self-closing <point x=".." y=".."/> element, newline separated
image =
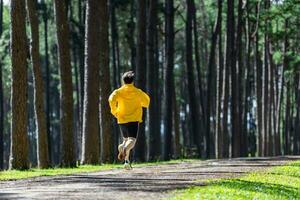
<point x="223" y="77"/>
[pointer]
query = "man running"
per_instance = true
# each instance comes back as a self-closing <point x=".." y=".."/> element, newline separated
<point x="126" y="104"/>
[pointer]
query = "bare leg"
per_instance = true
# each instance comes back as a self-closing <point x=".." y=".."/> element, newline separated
<point x="121" y="149"/>
<point x="130" y="143"/>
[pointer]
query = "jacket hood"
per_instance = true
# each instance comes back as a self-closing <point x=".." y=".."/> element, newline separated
<point x="128" y="91"/>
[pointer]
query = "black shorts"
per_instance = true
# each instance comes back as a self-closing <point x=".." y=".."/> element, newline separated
<point x="130" y="129"/>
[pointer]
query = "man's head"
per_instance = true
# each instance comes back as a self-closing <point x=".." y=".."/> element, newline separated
<point x="128" y="77"/>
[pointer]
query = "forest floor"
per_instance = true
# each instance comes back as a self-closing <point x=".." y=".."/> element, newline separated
<point x="147" y="182"/>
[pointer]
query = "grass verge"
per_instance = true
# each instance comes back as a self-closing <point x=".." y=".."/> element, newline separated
<point x="35" y="172"/>
<point x="282" y="182"/>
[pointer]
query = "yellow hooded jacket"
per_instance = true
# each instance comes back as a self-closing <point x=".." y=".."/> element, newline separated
<point x="127" y="102"/>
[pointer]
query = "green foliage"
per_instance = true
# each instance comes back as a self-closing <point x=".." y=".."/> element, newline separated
<point x="277" y="183"/>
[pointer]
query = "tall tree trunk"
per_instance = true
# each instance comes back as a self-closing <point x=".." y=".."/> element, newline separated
<point x="114" y="45"/>
<point x="258" y="83"/>
<point x="225" y="98"/>
<point x="1" y="98"/>
<point x="176" y="138"/>
<point x="40" y="116"/>
<point x="245" y="150"/>
<point x="287" y="119"/>
<point x="194" y="107"/>
<point x="240" y="71"/>
<point x="152" y="78"/>
<point x="198" y="64"/>
<point x="141" y="70"/>
<point x="168" y="76"/>
<point x="265" y="90"/>
<point x="131" y="35"/>
<point x="47" y="81"/>
<point x="296" y="145"/>
<point x="91" y="140"/>
<point x="216" y="33"/>
<point x="210" y="67"/>
<point x="279" y="112"/>
<point x="68" y="147"/>
<point x="19" y="140"/>
<point x="231" y="64"/>
<point x="105" y="88"/>
<point x="271" y="103"/>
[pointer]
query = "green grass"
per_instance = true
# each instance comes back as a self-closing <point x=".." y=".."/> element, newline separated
<point x="281" y="182"/>
<point x="35" y="172"/>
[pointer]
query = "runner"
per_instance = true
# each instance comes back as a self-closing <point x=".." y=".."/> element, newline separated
<point x="126" y="104"/>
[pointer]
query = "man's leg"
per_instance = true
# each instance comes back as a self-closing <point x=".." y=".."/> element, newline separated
<point x="121" y="149"/>
<point x="129" y="145"/>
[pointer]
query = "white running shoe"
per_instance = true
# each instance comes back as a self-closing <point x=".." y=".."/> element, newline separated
<point x="127" y="165"/>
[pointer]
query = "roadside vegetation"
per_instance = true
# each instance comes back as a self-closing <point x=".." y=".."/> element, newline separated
<point x="281" y="182"/>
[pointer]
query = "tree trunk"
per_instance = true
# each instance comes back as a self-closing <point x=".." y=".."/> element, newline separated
<point x="40" y="116"/>
<point x="240" y="71"/>
<point x="258" y="83"/>
<point x="19" y="140"/>
<point x="246" y="134"/>
<point x="176" y="137"/>
<point x="141" y="70"/>
<point x="105" y="88"/>
<point x="1" y="98"/>
<point x="225" y="98"/>
<point x="194" y="107"/>
<point x="210" y="67"/>
<point x="47" y="80"/>
<point x="198" y="65"/>
<point x="231" y="64"/>
<point x="287" y="120"/>
<point x="152" y="78"/>
<point x="114" y="45"/>
<point x="168" y="76"/>
<point x="216" y="33"/>
<point x="91" y="140"/>
<point x="131" y="35"/>
<point x="296" y="145"/>
<point x="68" y="147"/>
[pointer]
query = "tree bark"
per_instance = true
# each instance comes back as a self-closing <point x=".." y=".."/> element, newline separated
<point x="105" y="87"/>
<point x="40" y="116"/>
<point x="231" y="64"/>
<point x="240" y="72"/>
<point x="194" y="107"/>
<point x="168" y="76"/>
<point x="19" y="140"/>
<point x="216" y="33"/>
<point x="66" y="98"/>
<point x="210" y="67"/>
<point x="258" y="83"/>
<point x="91" y="136"/>
<point x="1" y="98"/>
<point x="153" y="79"/>
<point x="141" y="69"/>
<point x="114" y="45"/>
<point x="296" y="145"/>
<point x="47" y="80"/>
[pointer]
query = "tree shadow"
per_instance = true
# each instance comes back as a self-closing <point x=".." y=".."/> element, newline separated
<point x="6" y="195"/>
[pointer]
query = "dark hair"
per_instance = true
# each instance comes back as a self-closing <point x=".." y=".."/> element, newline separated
<point x="128" y="77"/>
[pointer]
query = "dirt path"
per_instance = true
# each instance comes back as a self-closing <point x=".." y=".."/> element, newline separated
<point x="152" y="182"/>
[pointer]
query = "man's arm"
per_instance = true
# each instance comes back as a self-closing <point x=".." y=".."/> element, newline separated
<point x="113" y="103"/>
<point x="145" y="99"/>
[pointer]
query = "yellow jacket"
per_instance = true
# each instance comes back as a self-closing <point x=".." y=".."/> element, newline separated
<point x="127" y="102"/>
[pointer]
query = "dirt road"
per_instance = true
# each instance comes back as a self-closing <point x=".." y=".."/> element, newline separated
<point x="151" y="182"/>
